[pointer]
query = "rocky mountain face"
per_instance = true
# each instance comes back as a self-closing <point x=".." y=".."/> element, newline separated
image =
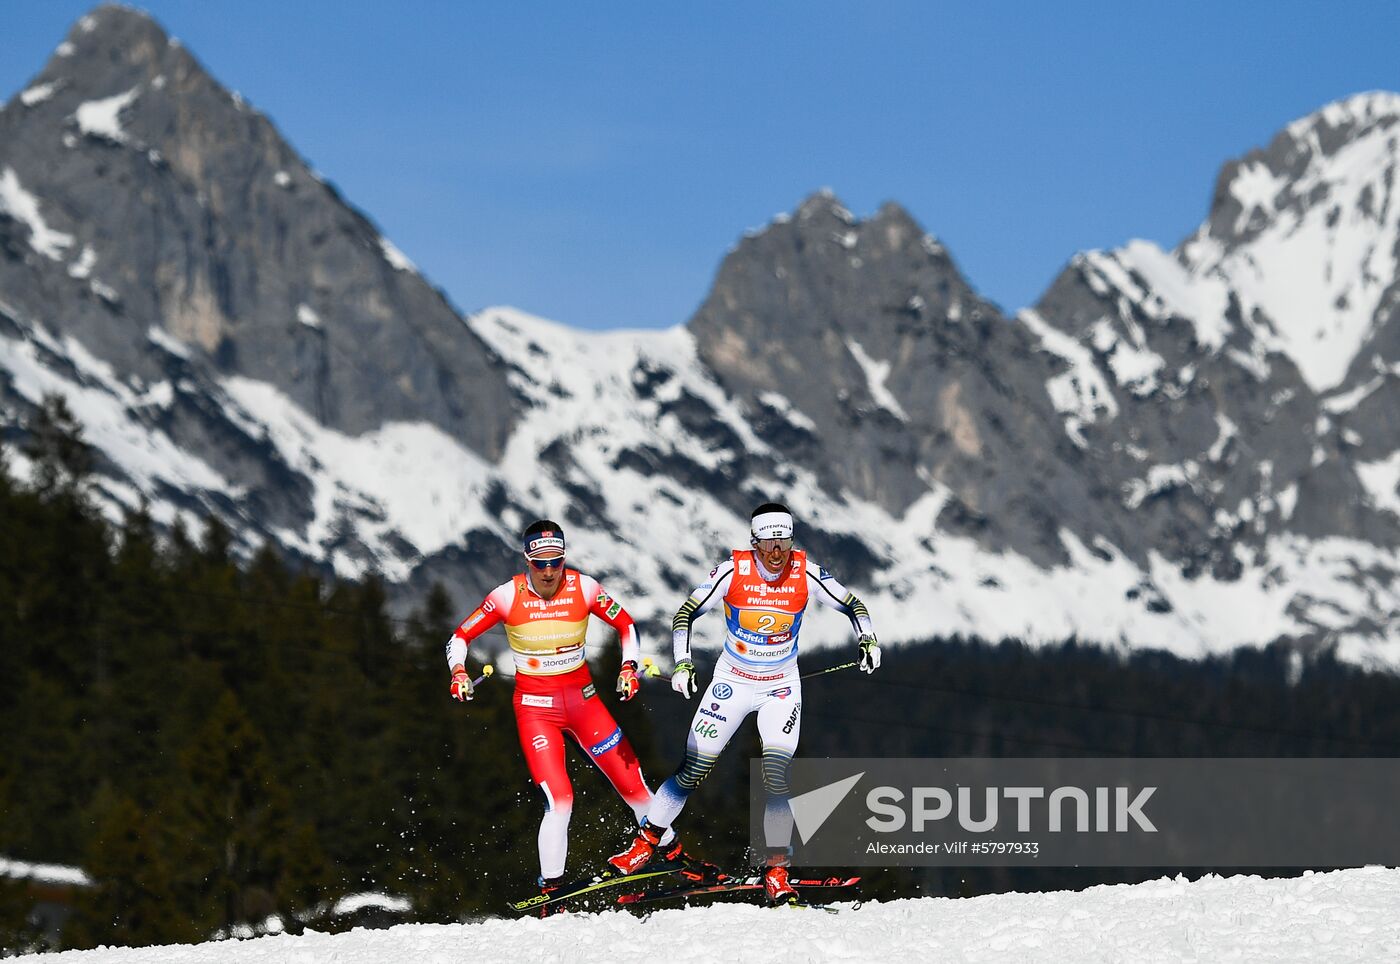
<point x="911" y="379"/>
<point x="1189" y="449"/>
<point x="169" y="203"/>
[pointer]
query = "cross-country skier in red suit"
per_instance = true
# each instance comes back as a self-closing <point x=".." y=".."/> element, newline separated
<point x="545" y="611"/>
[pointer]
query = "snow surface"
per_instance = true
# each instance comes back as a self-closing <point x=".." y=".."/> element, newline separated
<point x="103" y="404"/>
<point x="396" y="258"/>
<point x="44" y="873"/>
<point x="1309" y="263"/>
<point x="875" y="374"/>
<point x="82" y="268"/>
<point x="1345" y="402"/>
<point x="23" y="206"/>
<point x="102" y="118"/>
<point x="1344" y="916"/>
<point x="378" y="477"/>
<point x="1081" y="392"/>
<point x="307" y="316"/>
<point x="606" y="396"/>
<point x="1315" y="274"/>
<point x="1381" y="480"/>
<point x="781" y="405"/>
<point x="37" y="94"/>
<point x="1171" y="290"/>
<point x="159" y="336"/>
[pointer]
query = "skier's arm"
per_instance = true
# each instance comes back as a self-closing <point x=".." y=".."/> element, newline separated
<point x="701" y="600"/>
<point x="610" y="611"/>
<point x="488" y="615"/>
<point x="830" y="593"/>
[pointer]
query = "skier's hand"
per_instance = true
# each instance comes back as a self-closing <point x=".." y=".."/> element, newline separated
<point x="461" y="686"/>
<point x="683" y="679"/>
<point x="627" y="681"/>
<point x="869" y="653"/>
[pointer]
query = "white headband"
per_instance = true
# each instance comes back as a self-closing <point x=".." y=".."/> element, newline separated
<point x="772" y="525"/>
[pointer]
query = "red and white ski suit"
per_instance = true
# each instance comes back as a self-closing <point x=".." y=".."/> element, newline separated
<point x="555" y="693"/>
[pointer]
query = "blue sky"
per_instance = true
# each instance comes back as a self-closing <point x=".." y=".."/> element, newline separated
<point x="592" y="163"/>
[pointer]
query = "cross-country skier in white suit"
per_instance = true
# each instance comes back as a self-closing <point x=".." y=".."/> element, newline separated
<point x="765" y="591"/>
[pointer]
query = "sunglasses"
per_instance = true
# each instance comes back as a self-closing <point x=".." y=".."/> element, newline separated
<point x="543" y="564"/>
<point x="772" y="545"/>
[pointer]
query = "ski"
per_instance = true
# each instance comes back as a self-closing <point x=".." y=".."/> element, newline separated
<point x="607" y="879"/>
<point x="751" y="882"/>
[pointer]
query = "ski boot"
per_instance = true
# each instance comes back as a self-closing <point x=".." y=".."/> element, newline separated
<point x="639" y="854"/>
<point x="775" y="881"/>
<point x="694" y="869"/>
<point x="548" y="887"/>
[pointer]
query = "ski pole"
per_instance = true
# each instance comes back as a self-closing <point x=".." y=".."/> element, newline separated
<point x="830" y="669"/>
<point x="650" y="668"/>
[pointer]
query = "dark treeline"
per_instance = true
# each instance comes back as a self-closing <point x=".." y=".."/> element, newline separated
<point x="217" y="740"/>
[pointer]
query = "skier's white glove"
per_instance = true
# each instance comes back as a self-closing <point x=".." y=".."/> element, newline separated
<point x="683" y="678"/>
<point x="869" y="653"/>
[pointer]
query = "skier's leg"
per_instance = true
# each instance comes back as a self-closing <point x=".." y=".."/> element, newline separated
<point x="779" y="726"/>
<point x="723" y="707"/>
<point x="599" y="735"/>
<point x="542" y="741"/>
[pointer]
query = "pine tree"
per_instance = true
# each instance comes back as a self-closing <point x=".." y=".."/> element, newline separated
<point x="234" y="824"/>
<point x="62" y="460"/>
<point x="134" y="899"/>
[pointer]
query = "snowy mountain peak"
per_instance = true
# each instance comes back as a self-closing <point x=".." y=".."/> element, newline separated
<point x="113" y="46"/>
<point x="1306" y="235"/>
<point x="824" y="203"/>
<point x="126" y="154"/>
<point x="1360" y="111"/>
<point x="1134" y="461"/>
